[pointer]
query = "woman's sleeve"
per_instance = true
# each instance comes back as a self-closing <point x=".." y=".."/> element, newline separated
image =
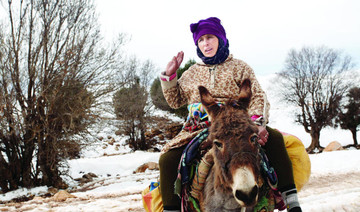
<point x="259" y="106"/>
<point x="173" y="93"/>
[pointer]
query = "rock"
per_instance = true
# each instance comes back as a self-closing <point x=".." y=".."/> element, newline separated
<point x="90" y="175"/>
<point x="62" y="195"/>
<point x="111" y="141"/>
<point x="100" y="138"/>
<point x="172" y="130"/>
<point x="161" y="137"/>
<point x="149" y="165"/>
<point x="82" y="181"/>
<point x="86" y="178"/>
<point x="148" y="134"/>
<point x="333" y="146"/>
<point x="153" y="166"/>
<point x="155" y="132"/>
<point x="152" y="133"/>
<point x="38" y="199"/>
<point x="52" y="190"/>
<point x="154" y="149"/>
<point x="118" y="132"/>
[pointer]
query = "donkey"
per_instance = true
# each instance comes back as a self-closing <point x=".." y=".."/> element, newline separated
<point x="233" y="182"/>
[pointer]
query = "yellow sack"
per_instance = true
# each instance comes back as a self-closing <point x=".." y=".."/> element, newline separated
<point x="151" y="198"/>
<point x="299" y="158"/>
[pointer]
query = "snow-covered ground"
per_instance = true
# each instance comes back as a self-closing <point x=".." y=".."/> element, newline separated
<point x="334" y="184"/>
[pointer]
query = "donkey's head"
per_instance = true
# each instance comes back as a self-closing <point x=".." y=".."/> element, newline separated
<point x="235" y="147"/>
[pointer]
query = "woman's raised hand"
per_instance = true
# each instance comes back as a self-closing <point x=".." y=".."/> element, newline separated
<point x="174" y="64"/>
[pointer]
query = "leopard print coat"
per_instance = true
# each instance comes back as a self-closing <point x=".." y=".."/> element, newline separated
<point x="222" y="81"/>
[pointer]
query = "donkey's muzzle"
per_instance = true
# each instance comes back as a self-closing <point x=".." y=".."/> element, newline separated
<point x="248" y="198"/>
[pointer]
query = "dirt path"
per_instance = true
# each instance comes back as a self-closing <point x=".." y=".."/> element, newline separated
<point x="320" y="194"/>
<point x="87" y="198"/>
<point x="332" y="193"/>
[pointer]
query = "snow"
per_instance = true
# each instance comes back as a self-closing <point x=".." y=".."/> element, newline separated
<point x="327" y="163"/>
<point x="323" y="165"/>
<point x="23" y="192"/>
<point x="118" y="189"/>
<point x="334" y="184"/>
<point x="111" y="165"/>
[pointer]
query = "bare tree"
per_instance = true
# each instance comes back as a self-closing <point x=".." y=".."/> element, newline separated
<point x="314" y="79"/>
<point x="132" y="103"/>
<point x="54" y="68"/>
<point x="350" y="120"/>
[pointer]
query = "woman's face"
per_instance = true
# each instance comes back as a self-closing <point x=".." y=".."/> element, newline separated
<point x="208" y="45"/>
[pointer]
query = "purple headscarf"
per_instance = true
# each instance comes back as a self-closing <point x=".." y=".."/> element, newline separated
<point x="210" y="25"/>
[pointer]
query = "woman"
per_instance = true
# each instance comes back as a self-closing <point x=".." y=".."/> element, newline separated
<point x="221" y="74"/>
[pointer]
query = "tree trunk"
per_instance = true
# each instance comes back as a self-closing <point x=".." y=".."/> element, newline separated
<point x="27" y="179"/>
<point x="49" y="164"/>
<point x="14" y="164"/>
<point x="14" y="178"/>
<point x="142" y="129"/>
<point x="3" y="185"/>
<point x="353" y="132"/>
<point x="315" y="141"/>
<point x="4" y="176"/>
<point x="27" y="156"/>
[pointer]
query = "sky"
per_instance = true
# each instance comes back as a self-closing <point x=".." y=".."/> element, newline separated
<point x="260" y="32"/>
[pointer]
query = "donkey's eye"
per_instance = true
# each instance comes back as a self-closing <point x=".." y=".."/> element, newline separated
<point x="218" y="144"/>
<point x="254" y="138"/>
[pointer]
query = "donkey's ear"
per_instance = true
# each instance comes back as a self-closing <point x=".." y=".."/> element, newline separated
<point x="245" y="93"/>
<point x="211" y="107"/>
